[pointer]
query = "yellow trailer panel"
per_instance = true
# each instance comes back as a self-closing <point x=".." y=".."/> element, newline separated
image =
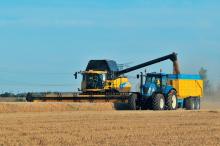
<point x="187" y="85"/>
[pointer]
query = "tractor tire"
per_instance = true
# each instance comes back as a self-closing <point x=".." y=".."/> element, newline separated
<point x="190" y="103"/>
<point x="197" y="103"/>
<point x="132" y="102"/>
<point x="171" y="101"/>
<point x="158" y="102"/>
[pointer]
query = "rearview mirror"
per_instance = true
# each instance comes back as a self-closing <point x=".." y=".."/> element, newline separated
<point x="138" y="76"/>
<point x="75" y="75"/>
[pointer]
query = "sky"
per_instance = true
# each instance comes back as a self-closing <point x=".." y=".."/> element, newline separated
<point x="43" y="42"/>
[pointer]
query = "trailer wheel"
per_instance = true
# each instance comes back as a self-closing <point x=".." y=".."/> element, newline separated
<point x="158" y="102"/>
<point x="171" y="101"/>
<point x="197" y="103"/>
<point x="132" y="102"/>
<point x="190" y="103"/>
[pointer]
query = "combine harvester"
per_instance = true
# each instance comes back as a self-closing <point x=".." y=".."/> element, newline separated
<point x="103" y="82"/>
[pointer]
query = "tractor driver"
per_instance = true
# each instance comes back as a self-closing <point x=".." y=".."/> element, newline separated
<point x="158" y="82"/>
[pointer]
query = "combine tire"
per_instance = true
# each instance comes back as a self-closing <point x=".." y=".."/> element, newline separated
<point x="190" y="103"/>
<point x="197" y="103"/>
<point x="132" y="102"/>
<point x="29" y="98"/>
<point x="158" y="102"/>
<point x="171" y="101"/>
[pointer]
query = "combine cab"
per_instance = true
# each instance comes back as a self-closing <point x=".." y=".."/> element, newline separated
<point x="98" y="77"/>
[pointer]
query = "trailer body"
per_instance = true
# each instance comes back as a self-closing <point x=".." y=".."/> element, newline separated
<point x="187" y="85"/>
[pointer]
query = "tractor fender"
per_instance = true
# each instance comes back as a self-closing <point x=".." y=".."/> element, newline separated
<point x="167" y="90"/>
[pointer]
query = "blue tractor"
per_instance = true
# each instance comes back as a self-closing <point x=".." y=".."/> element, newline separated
<point x="160" y="91"/>
<point x="156" y="93"/>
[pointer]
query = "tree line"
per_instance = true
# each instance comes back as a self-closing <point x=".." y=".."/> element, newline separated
<point x="9" y="94"/>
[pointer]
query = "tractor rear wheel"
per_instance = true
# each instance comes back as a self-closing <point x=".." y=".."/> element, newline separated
<point x="171" y="101"/>
<point x="190" y="103"/>
<point x="158" y="102"/>
<point x="132" y="102"/>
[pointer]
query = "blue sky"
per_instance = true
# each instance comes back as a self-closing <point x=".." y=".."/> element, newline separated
<point x="42" y="42"/>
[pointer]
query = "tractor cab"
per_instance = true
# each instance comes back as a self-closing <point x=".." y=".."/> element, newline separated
<point x="157" y="92"/>
<point x="155" y="83"/>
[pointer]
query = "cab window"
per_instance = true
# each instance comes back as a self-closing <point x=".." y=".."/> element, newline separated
<point x="164" y="81"/>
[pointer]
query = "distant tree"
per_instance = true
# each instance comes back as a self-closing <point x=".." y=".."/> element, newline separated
<point x="204" y="75"/>
<point x="7" y="94"/>
<point x="218" y="89"/>
<point x="21" y="95"/>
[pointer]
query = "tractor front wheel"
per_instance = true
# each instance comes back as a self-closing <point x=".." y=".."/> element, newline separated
<point x="158" y="102"/>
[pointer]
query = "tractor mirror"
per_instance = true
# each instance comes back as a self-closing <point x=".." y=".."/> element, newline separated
<point x="138" y="76"/>
<point x="75" y="75"/>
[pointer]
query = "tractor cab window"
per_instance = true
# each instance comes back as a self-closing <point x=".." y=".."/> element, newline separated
<point x="153" y="79"/>
<point x="149" y="79"/>
<point x="164" y="81"/>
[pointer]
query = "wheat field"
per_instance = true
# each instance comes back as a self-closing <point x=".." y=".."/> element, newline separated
<point x="79" y="124"/>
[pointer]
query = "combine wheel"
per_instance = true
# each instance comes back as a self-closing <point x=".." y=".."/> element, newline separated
<point x="132" y="102"/>
<point x="171" y="101"/>
<point x="29" y="98"/>
<point x="190" y="103"/>
<point x="158" y="102"/>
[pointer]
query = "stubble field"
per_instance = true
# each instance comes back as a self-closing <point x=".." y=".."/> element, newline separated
<point x="98" y="124"/>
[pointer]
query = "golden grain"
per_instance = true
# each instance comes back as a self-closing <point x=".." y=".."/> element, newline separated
<point x="66" y="127"/>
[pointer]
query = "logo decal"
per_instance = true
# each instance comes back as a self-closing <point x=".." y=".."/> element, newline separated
<point x="123" y="85"/>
